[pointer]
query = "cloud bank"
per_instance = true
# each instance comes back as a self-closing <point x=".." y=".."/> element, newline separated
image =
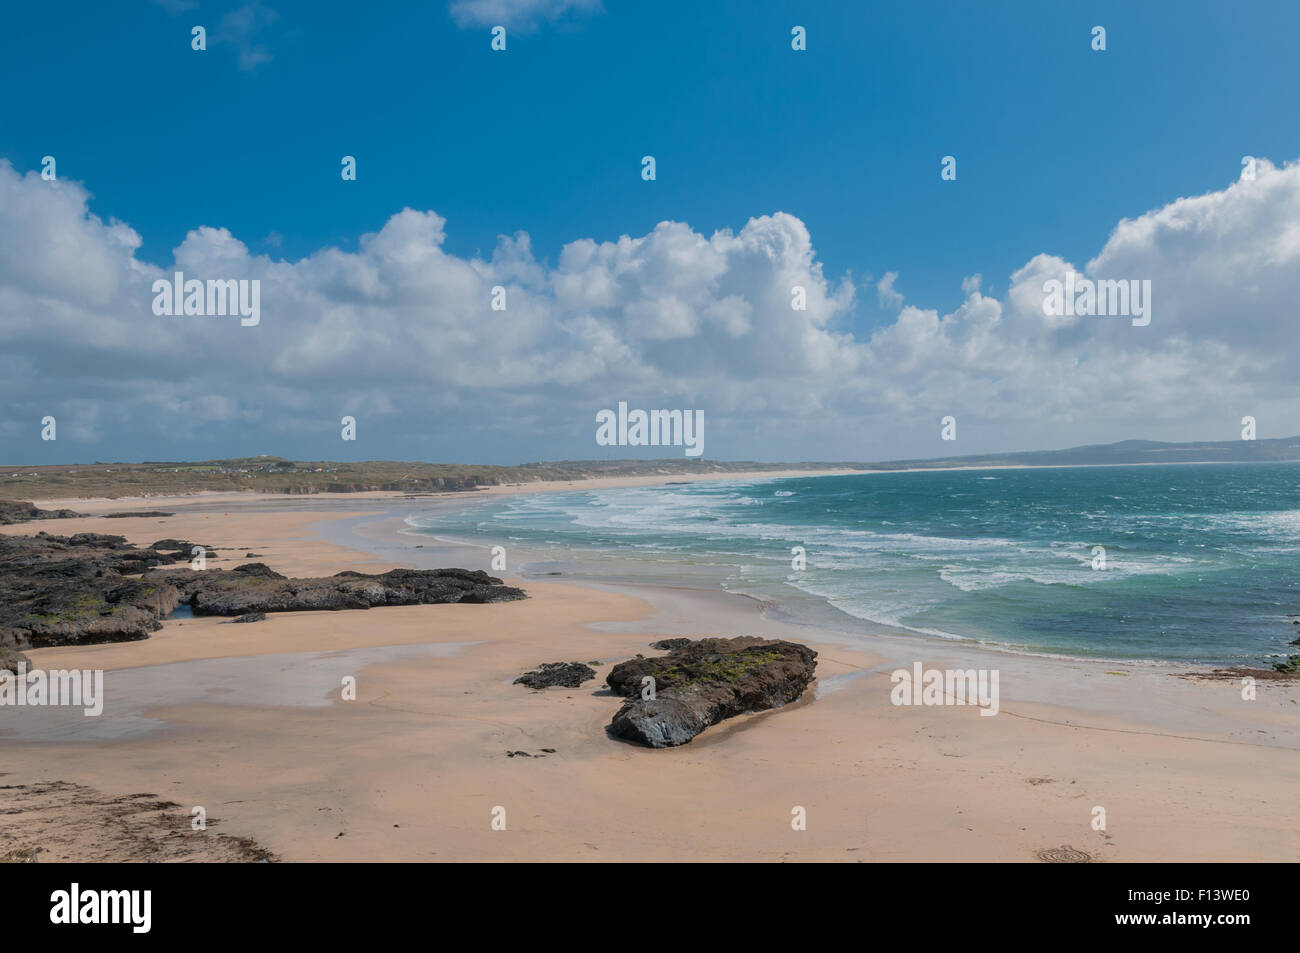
<point x="402" y="335"/>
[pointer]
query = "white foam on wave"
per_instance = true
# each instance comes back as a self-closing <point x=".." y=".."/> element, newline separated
<point x="1279" y="524"/>
<point x="876" y="608"/>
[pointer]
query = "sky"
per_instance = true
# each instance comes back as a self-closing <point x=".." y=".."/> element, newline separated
<point x="521" y="169"/>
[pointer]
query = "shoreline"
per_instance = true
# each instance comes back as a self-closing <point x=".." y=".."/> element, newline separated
<point x="411" y="770"/>
<point x="863" y="628"/>
<point x="396" y="529"/>
<point x="392" y="528"/>
<point x="877" y="638"/>
<point x="382" y="500"/>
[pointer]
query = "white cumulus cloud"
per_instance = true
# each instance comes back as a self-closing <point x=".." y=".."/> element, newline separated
<point x="400" y="333"/>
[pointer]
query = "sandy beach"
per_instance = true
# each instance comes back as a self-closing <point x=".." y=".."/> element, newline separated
<point x="247" y="722"/>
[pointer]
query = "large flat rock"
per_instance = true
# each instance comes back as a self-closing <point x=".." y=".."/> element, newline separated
<point x="705" y="682"/>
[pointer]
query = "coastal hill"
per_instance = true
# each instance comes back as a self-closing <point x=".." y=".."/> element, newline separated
<point x="1126" y="452"/>
<point x="268" y="474"/>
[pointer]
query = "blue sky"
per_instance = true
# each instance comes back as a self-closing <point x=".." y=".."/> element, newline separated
<point x="1055" y="143"/>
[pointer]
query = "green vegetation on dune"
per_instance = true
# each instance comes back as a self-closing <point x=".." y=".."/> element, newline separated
<point x="278" y="475"/>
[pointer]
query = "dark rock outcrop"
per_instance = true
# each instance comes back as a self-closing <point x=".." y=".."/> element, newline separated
<point x="251" y="617"/>
<point x="19" y="511"/>
<point x="704" y="682"/>
<point x="562" y="674"/>
<point x="180" y="547"/>
<point x="135" y="513"/>
<point x="668" y="645"/>
<point x="68" y="590"/>
<point x="255" y="587"/>
<point x="72" y="590"/>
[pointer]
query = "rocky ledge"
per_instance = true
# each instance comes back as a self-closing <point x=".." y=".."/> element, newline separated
<point x="70" y="590"/>
<point x="18" y="511"/>
<point x="705" y="682"/>
<point x="67" y="590"/>
<point x="255" y="587"/>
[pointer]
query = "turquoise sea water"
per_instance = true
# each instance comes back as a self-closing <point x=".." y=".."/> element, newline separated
<point x="1202" y="563"/>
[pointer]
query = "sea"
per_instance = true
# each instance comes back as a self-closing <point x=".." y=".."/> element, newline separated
<point x="1188" y="563"/>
